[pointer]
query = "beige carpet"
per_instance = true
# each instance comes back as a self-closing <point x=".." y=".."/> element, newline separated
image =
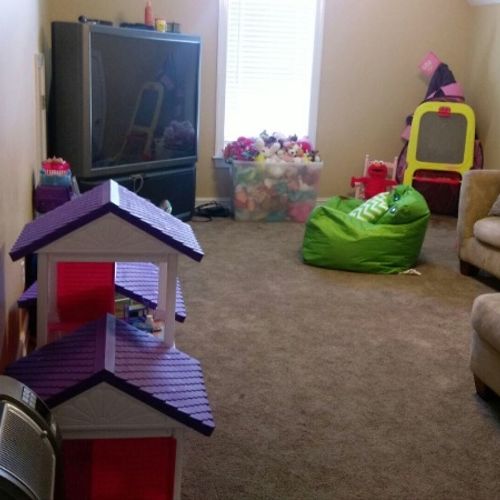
<point x="334" y="385"/>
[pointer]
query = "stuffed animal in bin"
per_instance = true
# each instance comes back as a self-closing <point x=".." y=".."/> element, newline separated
<point x="375" y="181"/>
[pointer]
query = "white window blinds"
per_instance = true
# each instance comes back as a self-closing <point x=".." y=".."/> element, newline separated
<point x="270" y="51"/>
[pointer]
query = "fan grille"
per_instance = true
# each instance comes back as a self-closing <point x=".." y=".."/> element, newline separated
<point x="26" y="453"/>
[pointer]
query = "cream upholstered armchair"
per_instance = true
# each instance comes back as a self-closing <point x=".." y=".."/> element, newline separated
<point x="478" y="229"/>
<point x="479" y="248"/>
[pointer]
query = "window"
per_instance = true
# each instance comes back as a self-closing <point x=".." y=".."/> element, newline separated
<point x="268" y="68"/>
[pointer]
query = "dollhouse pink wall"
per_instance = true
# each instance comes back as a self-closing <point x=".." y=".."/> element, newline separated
<point x="119" y="468"/>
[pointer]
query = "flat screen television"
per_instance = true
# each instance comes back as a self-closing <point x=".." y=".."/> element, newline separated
<point x="123" y="101"/>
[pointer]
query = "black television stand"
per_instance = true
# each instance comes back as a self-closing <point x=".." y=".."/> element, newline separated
<point x="176" y="184"/>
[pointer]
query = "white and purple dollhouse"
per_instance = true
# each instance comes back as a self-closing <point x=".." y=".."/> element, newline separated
<point x="121" y="396"/>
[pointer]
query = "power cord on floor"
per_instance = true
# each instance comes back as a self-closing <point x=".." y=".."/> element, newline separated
<point x="207" y="211"/>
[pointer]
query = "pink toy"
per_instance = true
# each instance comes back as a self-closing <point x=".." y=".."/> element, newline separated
<point x="305" y="144"/>
<point x="375" y="181"/>
<point x="429" y="64"/>
<point x="299" y="211"/>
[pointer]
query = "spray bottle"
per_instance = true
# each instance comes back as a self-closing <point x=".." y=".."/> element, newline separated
<point x="148" y="14"/>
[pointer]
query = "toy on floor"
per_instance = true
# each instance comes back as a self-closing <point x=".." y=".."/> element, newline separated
<point x="121" y="396"/>
<point x="352" y="235"/>
<point x="275" y="178"/>
<point x="55" y="187"/>
<point x="104" y="225"/>
<point x="440" y="140"/>
<point x="123" y="401"/>
<point x="378" y="176"/>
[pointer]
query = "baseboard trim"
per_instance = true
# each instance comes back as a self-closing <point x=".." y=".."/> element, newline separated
<point x="226" y="201"/>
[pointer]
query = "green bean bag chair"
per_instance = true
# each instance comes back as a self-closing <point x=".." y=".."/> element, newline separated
<point x="382" y="235"/>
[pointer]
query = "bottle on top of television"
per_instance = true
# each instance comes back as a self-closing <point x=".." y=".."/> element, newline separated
<point x="148" y="14"/>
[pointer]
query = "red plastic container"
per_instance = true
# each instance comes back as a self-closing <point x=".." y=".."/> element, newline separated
<point x="55" y="165"/>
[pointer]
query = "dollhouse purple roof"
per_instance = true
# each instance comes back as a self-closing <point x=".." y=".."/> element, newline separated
<point x="108" y="197"/>
<point x="135" y="362"/>
<point x="139" y="281"/>
<point x="28" y="297"/>
<point x="136" y="280"/>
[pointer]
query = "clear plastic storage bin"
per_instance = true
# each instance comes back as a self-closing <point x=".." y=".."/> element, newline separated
<point x="274" y="191"/>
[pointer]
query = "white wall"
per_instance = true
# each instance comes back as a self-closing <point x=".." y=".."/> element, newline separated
<point x="370" y="80"/>
<point x="20" y="39"/>
<point x="483" y="78"/>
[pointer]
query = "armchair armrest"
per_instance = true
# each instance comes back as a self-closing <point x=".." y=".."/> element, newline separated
<point x="479" y="191"/>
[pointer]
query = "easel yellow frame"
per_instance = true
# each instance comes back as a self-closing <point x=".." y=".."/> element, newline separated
<point x="440" y="107"/>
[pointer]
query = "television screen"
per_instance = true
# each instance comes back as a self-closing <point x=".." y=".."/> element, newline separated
<point x="144" y="98"/>
<point x="123" y="100"/>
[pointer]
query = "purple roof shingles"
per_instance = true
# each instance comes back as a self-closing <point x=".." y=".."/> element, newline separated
<point x="68" y="362"/>
<point x="136" y="280"/>
<point x="108" y="197"/>
<point x="139" y="282"/>
<point x="28" y="297"/>
<point x="110" y="350"/>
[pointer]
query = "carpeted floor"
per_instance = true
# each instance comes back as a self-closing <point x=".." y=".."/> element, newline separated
<point x="334" y="385"/>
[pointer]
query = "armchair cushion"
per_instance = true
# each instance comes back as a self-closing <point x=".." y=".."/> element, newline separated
<point x="487" y="231"/>
<point x="477" y="230"/>
<point x="480" y="189"/>
<point x="485" y="318"/>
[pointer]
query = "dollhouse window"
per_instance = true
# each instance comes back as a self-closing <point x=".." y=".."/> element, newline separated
<point x="268" y="68"/>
